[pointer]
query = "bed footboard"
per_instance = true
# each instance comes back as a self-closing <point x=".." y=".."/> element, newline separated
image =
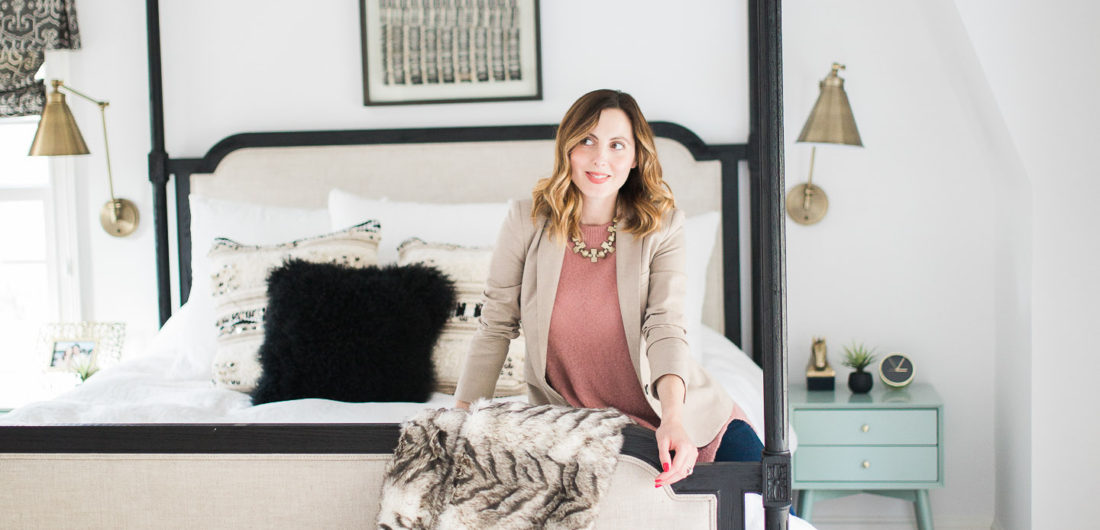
<point x="288" y="476"/>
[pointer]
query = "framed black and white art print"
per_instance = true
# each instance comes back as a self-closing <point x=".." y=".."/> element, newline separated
<point x="450" y="51"/>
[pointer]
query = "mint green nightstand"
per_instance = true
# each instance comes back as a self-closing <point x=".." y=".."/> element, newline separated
<point x="888" y="442"/>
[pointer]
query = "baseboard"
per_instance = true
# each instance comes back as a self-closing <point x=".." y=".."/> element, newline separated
<point x="900" y="523"/>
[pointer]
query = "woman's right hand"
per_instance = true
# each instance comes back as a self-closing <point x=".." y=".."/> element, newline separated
<point x="464" y="405"/>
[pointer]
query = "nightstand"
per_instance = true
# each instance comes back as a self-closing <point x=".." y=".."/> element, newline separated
<point x="887" y="442"/>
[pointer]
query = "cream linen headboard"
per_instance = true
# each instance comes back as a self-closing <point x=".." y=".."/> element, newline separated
<point x="485" y="164"/>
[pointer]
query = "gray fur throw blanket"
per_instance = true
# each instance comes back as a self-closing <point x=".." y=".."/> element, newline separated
<point x="502" y="465"/>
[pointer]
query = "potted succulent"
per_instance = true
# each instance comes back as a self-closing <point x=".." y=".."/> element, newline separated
<point x="859" y="357"/>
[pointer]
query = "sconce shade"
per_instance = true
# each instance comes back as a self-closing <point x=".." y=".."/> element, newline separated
<point x="831" y="121"/>
<point x="57" y="132"/>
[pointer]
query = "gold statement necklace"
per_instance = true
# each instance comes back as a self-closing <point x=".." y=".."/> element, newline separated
<point x="595" y="254"/>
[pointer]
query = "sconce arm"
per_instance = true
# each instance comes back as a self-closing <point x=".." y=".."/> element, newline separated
<point x="59" y="85"/>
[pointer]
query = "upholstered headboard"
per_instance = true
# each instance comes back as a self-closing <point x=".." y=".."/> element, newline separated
<point x="454" y="165"/>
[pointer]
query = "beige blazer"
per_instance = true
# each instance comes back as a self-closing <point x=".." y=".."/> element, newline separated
<point x="522" y="284"/>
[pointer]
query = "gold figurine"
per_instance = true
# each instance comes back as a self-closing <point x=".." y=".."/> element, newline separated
<point x="819" y="375"/>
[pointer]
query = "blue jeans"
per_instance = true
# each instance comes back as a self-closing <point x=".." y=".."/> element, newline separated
<point x="740" y="444"/>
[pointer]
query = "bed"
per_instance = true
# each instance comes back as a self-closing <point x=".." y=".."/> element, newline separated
<point x="152" y="431"/>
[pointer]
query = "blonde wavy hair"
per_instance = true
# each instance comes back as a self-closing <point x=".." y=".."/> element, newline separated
<point x="644" y="198"/>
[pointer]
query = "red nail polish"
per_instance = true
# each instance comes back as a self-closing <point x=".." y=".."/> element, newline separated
<point x="657" y="486"/>
<point x="665" y="465"/>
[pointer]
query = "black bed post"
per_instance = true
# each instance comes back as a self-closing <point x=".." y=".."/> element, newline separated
<point x="769" y="256"/>
<point x="158" y="161"/>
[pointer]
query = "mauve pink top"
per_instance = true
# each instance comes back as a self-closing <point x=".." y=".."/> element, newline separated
<point x="587" y="358"/>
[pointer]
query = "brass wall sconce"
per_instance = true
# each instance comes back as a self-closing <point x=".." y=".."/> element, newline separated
<point x="830" y="122"/>
<point x="58" y="135"/>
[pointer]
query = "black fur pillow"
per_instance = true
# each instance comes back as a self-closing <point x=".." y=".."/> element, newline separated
<point x="352" y="334"/>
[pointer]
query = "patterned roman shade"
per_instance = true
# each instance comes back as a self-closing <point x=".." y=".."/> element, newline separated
<point x="27" y="29"/>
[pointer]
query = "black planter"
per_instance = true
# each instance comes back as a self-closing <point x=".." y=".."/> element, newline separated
<point x="860" y="382"/>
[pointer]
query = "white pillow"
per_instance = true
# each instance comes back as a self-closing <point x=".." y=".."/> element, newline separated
<point x="240" y="221"/>
<point x="253" y="224"/>
<point x="700" y="236"/>
<point x="466" y="224"/>
<point x="239" y="287"/>
<point x="188" y="338"/>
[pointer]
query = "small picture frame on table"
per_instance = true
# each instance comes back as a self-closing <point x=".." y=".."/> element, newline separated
<point x="80" y="347"/>
<point x="450" y="51"/>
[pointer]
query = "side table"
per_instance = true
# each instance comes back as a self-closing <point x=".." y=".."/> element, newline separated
<point x="887" y="442"/>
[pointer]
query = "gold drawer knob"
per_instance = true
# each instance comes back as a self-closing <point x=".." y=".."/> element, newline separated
<point x="865" y="427"/>
<point x="866" y="464"/>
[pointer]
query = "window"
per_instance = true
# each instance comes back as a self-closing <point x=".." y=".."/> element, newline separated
<point x="39" y="279"/>
<point x="30" y="276"/>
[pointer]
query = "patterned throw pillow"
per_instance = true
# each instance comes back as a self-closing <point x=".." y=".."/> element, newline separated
<point x="468" y="267"/>
<point x="238" y="278"/>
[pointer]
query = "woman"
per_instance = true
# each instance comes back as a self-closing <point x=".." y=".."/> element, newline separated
<point x="593" y="269"/>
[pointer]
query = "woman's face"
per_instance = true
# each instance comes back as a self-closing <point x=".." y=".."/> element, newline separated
<point x="601" y="162"/>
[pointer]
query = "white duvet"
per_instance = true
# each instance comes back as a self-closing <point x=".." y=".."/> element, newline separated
<point x="153" y="389"/>
<point x="172" y="384"/>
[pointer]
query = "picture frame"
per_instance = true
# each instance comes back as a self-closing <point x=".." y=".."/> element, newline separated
<point x="450" y="51"/>
<point x="80" y="347"/>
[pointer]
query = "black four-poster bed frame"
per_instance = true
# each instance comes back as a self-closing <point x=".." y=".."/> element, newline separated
<point x="764" y="153"/>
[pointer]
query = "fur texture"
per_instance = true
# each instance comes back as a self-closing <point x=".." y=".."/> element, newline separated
<point x="349" y="334"/>
<point x="502" y="465"/>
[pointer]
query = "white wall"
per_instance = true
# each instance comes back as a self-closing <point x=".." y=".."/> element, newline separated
<point x="117" y="275"/>
<point x="1041" y="60"/>
<point x="904" y="258"/>
<point x="1011" y="192"/>
<point x="272" y="65"/>
<point x="255" y="65"/>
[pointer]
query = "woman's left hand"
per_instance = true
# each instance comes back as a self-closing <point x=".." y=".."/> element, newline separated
<point x="671" y="436"/>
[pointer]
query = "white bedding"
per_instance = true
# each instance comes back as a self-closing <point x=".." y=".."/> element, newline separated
<point x="164" y="386"/>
